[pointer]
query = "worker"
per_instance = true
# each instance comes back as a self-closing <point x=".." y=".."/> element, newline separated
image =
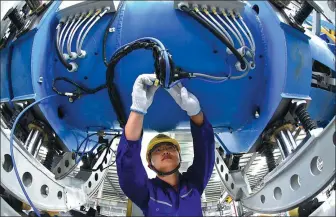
<point x="170" y="193"/>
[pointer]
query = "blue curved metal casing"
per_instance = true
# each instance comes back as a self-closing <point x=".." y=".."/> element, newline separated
<point x="283" y="71"/>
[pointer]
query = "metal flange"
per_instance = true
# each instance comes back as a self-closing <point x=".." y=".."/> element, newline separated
<point x="301" y="177"/>
<point x="44" y="190"/>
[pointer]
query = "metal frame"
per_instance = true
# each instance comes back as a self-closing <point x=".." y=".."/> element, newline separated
<point x="63" y="195"/>
<point x="6" y="209"/>
<point x="297" y="179"/>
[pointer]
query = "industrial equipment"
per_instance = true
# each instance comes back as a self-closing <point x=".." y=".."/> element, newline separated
<point x="262" y="77"/>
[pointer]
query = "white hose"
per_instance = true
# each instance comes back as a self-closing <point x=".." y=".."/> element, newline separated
<point x="242" y="29"/>
<point x="63" y="30"/>
<point x="66" y="33"/>
<point x="221" y="27"/>
<point x="231" y="30"/>
<point x="72" y="34"/>
<point x="211" y="23"/>
<point x="79" y="50"/>
<point x="81" y="32"/>
<point x="249" y="32"/>
<point x="235" y="28"/>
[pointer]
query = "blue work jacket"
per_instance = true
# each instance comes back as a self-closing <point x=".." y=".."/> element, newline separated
<point x="156" y="197"/>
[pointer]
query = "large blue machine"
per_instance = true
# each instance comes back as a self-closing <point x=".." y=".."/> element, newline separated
<point x="284" y="58"/>
<point x="283" y="62"/>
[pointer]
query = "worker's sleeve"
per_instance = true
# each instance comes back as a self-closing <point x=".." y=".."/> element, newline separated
<point x="132" y="175"/>
<point x="200" y="171"/>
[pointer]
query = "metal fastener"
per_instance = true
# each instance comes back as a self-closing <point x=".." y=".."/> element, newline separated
<point x="40" y="81"/>
<point x="112" y="29"/>
<point x="256" y="115"/>
<point x="71" y="100"/>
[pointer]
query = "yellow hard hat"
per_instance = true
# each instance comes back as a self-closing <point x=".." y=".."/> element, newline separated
<point x="159" y="139"/>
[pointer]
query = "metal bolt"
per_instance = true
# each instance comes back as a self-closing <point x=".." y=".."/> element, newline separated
<point x="112" y="29"/>
<point x="40" y="81"/>
<point x="256" y="115"/>
<point x="71" y="100"/>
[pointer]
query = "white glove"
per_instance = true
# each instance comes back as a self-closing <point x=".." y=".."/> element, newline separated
<point x="143" y="93"/>
<point x="186" y="100"/>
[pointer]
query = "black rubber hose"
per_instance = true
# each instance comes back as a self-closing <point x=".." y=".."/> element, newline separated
<point x="121" y="3"/>
<point x="194" y="15"/>
<point x="83" y="89"/>
<point x="58" y="49"/>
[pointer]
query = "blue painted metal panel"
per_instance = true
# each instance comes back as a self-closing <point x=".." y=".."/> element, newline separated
<point x="230" y="106"/>
<point x="299" y="64"/>
<point x="21" y="70"/>
<point x="321" y="52"/>
<point x="4" y="87"/>
<point x="322" y="108"/>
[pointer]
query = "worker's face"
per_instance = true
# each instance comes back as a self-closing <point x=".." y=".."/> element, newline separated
<point x="165" y="157"/>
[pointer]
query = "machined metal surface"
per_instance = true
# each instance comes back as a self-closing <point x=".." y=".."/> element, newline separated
<point x="299" y="178"/>
<point x="6" y="209"/>
<point x="61" y="195"/>
<point x="65" y="166"/>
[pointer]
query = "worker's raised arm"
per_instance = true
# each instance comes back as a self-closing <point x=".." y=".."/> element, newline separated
<point x="131" y="172"/>
<point x="200" y="171"/>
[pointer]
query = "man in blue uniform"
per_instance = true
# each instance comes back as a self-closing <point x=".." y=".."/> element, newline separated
<point x="170" y="193"/>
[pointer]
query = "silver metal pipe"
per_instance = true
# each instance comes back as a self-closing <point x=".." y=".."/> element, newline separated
<point x="231" y="30"/>
<point x="220" y="26"/>
<point x="282" y="149"/>
<point x="29" y="138"/>
<point x="63" y="30"/>
<point x="34" y="141"/>
<point x="212" y="24"/>
<point x="78" y="51"/>
<point x="73" y="21"/>
<point x="37" y="149"/>
<point x="285" y="142"/>
<point x="242" y="29"/>
<point x="248" y="32"/>
<point x="81" y="20"/>
<point x="291" y="139"/>
<point x="234" y="27"/>
<point x="79" y="48"/>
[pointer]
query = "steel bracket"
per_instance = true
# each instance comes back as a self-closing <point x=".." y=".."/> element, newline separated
<point x="62" y="195"/>
<point x="309" y="170"/>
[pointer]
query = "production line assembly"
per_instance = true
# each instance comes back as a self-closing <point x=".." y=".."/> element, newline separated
<point x="67" y="70"/>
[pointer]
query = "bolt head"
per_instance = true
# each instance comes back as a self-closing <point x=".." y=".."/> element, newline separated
<point x="71" y="100"/>
<point x="256" y="115"/>
<point x="40" y="81"/>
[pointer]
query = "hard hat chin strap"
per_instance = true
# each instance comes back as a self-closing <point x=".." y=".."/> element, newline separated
<point x="166" y="173"/>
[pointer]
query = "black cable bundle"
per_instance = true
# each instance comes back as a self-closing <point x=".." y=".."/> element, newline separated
<point x="122" y="52"/>
<point x="81" y="90"/>
<point x="101" y="150"/>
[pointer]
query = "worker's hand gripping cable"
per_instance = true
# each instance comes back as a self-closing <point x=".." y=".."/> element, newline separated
<point x="143" y="93"/>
